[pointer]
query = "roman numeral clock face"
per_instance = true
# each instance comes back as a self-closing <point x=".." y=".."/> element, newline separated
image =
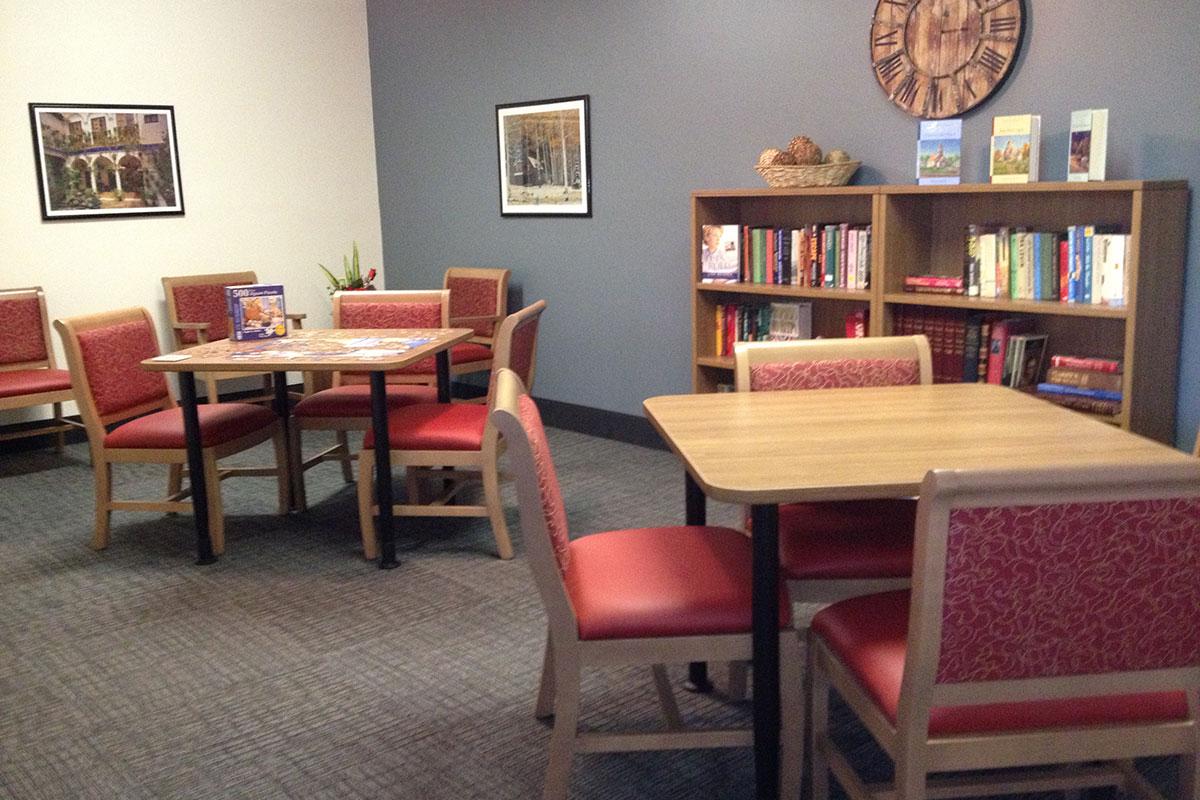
<point x="941" y="58"/>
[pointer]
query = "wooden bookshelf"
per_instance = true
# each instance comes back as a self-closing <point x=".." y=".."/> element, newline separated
<point x="922" y="230"/>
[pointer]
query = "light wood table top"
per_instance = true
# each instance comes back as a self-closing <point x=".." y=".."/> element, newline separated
<point x="841" y="444"/>
<point x="315" y="350"/>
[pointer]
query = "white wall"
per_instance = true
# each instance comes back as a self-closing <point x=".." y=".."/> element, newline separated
<point x="276" y="145"/>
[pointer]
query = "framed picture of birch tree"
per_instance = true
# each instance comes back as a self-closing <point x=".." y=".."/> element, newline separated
<point x="545" y="165"/>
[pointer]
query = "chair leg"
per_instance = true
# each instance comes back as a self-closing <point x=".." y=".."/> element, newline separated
<point x="210" y="386"/>
<point x="739" y="672"/>
<point x="296" y="451"/>
<point x="344" y="452"/>
<point x="412" y="486"/>
<point x="1189" y="777"/>
<point x="495" y="507"/>
<point x="174" y="479"/>
<point x="544" y="708"/>
<point x="566" y="723"/>
<point x="283" y="472"/>
<point x="366" y="502"/>
<point x="60" y="438"/>
<point x="820" y="725"/>
<point x="791" y="717"/>
<point x="103" y="473"/>
<point x="216" y="510"/>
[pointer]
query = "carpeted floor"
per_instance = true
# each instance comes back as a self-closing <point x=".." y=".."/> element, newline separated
<point x="294" y="668"/>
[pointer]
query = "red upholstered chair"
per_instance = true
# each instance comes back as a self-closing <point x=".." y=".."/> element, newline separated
<point x="196" y="313"/>
<point x="833" y="550"/>
<point x="104" y="352"/>
<point x="426" y="437"/>
<point x="347" y="405"/>
<point x="29" y="376"/>
<point x="646" y="596"/>
<point x="1052" y="621"/>
<point x="478" y="300"/>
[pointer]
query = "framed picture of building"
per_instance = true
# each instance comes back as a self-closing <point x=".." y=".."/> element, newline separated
<point x="545" y="162"/>
<point x="105" y="160"/>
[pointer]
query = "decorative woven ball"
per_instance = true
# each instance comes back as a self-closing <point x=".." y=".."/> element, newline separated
<point x="804" y="150"/>
<point x="836" y="157"/>
<point x="773" y="156"/>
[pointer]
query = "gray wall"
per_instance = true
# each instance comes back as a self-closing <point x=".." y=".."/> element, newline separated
<point x="684" y="95"/>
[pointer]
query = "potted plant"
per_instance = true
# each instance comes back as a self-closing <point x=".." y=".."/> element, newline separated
<point x="352" y="277"/>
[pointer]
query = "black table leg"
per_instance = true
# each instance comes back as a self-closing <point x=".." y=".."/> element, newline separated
<point x="695" y="513"/>
<point x="765" y="632"/>
<point x="283" y="409"/>
<point x="443" y="376"/>
<point x="383" y="471"/>
<point x="195" y="452"/>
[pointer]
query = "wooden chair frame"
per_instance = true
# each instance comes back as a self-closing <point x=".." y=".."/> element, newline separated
<point x="566" y="655"/>
<point x="341" y="426"/>
<point x="467" y="465"/>
<point x="57" y="424"/>
<point x="501" y="276"/>
<point x="916" y="754"/>
<point x="179" y="327"/>
<point x="103" y="458"/>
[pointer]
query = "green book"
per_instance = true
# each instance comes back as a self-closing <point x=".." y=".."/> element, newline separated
<point x="831" y="256"/>
<point x="1049" y="275"/>
<point x="758" y="252"/>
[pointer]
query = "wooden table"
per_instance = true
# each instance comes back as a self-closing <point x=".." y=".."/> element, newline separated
<point x="767" y="448"/>
<point x="375" y="351"/>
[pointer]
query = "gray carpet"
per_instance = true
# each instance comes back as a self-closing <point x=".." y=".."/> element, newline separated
<point x="293" y="668"/>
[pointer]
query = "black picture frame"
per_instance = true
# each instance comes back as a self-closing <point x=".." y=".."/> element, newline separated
<point x="106" y="160"/>
<point x="544" y="157"/>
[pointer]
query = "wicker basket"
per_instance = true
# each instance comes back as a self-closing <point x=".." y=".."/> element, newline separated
<point x="783" y="177"/>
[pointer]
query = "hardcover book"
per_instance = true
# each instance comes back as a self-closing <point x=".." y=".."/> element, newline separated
<point x="256" y="311"/>
<point x="720" y="253"/>
<point x="1028" y="353"/>
<point x="1089" y="145"/>
<point x="1016" y="145"/>
<point x="790" y="321"/>
<point x="939" y="152"/>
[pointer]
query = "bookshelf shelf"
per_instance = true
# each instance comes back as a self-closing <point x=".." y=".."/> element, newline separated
<point x="920" y="230"/>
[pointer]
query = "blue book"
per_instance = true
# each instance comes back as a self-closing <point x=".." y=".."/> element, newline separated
<point x="1072" y="256"/>
<point x="1085" y="279"/>
<point x="1058" y="388"/>
<point x="256" y="311"/>
<point x="939" y="152"/>
<point x="1037" y="267"/>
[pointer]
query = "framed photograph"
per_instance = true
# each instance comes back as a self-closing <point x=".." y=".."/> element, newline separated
<point x="105" y="160"/>
<point x="545" y="162"/>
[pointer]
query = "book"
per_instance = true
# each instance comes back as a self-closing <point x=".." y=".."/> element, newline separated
<point x="934" y="284"/>
<point x="1086" y="362"/>
<point x="856" y="324"/>
<point x="720" y="253"/>
<point x="939" y="152"/>
<point x="1030" y="352"/>
<point x="987" y="264"/>
<point x="1077" y="391"/>
<point x="1015" y="148"/>
<point x="1002" y="330"/>
<point x="789" y="321"/>
<point x="1088" y="149"/>
<point x="1092" y="405"/>
<point x="256" y="311"/>
<point x="1085" y="378"/>
<point x="1108" y="272"/>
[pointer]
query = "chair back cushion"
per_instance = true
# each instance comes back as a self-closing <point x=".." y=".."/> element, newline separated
<point x="840" y="373"/>
<point x="391" y="315"/>
<point x="112" y="359"/>
<point x="1071" y="589"/>
<point x="202" y="302"/>
<point x="21" y="333"/>
<point x="474" y="297"/>
<point x="524" y="344"/>
<point x="551" y="494"/>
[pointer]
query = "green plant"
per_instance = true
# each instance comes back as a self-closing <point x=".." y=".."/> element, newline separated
<point x="352" y="276"/>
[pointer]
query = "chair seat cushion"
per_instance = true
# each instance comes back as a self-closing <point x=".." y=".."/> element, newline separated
<point x="33" y="381"/>
<point x="435" y="426"/>
<point x="469" y="353"/>
<point x="355" y="400"/>
<point x="847" y="540"/>
<point x="868" y="635"/>
<point x="219" y="423"/>
<point x="676" y="581"/>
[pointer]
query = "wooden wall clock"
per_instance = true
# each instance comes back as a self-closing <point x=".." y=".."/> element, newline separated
<point x="941" y="58"/>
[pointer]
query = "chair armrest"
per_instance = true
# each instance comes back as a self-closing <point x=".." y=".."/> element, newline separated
<point x="297" y="319"/>
<point x="190" y="326"/>
<point x="477" y="318"/>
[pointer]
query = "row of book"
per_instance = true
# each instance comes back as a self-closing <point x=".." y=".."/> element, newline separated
<point x="1084" y="384"/>
<point x="831" y="256"/>
<point x="976" y="348"/>
<point x="749" y="322"/>
<point x="1086" y="264"/>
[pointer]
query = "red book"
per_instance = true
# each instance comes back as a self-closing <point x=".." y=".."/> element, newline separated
<point x="747" y="264"/>
<point x="1064" y="270"/>
<point x="769" y="275"/>
<point x="998" y="349"/>
<point x="856" y="324"/>
<point x="934" y="281"/>
<point x="1080" y="362"/>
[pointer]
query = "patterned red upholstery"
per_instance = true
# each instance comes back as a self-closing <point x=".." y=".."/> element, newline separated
<point x="848" y="539"/>
<point x="112" y="359"/>
<point x="19" y="382"/>
<point x="1071" y="589"/>
<point x="392" y="315"/>
<point x="520" y="354"/>
<point x="219" y="423"/>
<point x="436" y="426"/>
<point x="868" y="634"/>
<point x="469" y="353"/>
<point x="21" y="331"/>
<point x="355" y="401"/>
<point x="474" y="297"/>
<point x="838" y="373"/>
<point x="553" y="509"/>
<point x="676" y="581"/>
<point x="202" y="302"/>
